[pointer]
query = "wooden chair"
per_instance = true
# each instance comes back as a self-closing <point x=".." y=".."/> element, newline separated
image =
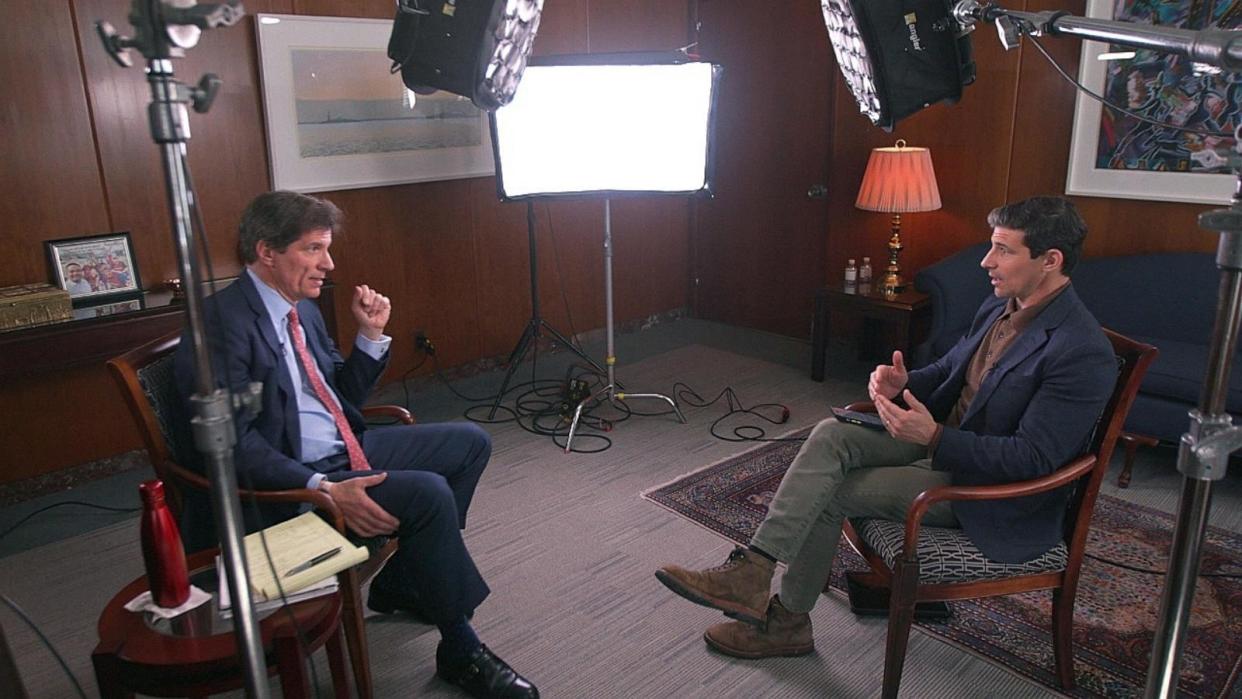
<point x="145" y="376"/>
<point x="898" y="554"/>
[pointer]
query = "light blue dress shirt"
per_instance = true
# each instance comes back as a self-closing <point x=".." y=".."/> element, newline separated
<point x="320" y="437"/>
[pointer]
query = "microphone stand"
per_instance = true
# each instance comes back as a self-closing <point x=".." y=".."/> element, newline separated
<point x="1203" y="453"/>
<point x="163" y="32"/>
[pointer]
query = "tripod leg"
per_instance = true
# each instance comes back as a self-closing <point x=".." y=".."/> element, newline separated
<point x="657" y="396"/>
<point x="572" y="347"/>
<point x="515" y="358"/>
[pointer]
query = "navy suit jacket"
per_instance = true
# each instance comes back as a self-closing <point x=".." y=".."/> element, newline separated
<point x="1033" y="412"/>
<point x="244" y="348"/>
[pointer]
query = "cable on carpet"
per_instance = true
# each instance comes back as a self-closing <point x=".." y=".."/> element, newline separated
<point x="46" y="642"/>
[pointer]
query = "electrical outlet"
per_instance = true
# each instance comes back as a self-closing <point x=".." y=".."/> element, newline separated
<point x="422" y="342"/>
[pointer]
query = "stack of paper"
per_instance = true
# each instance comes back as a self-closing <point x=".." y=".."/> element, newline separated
<point x="301" y="553"/>
<point x="324" y="587"/>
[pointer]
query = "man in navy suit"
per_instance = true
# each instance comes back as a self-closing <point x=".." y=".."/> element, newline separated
<point x="1015" y="399"/>
<point x="412" y="482"/>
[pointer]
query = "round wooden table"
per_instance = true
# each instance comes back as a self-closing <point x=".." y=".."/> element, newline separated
<point x="195" y="654"/>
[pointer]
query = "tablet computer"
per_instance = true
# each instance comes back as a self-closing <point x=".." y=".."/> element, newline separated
<point x="871" y="420"/>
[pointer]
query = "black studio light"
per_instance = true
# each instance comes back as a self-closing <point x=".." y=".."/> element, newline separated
<point x="473" y="48"/>
<point x="899" y="56"/>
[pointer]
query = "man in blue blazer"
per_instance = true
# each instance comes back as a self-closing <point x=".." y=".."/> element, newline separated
<point x="1014" y="399"/>
<point x="412" y="482"/>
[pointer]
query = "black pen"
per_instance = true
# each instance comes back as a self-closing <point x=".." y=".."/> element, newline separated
<point x="307" y="565"/>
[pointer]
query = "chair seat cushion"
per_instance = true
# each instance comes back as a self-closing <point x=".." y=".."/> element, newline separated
<point x="947" y="555"/>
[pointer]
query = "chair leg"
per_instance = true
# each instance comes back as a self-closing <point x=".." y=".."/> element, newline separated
<point x="1130" y="443"/>
<point x="900" y="616"/>
<point x="1063" y="636"/>
<point x="336" y="661"/>
<point x="356" y="634"/>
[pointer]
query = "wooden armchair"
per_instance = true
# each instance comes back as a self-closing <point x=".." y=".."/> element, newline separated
<point x="898" y="553"/>
<point x="145" y="376"/>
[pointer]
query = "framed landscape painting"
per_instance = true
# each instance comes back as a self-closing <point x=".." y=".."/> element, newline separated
<point x="337" y="118"/>
<point x="1114" y="154"/>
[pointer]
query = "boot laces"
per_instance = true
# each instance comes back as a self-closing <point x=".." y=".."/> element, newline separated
<point x="736" y="557"/>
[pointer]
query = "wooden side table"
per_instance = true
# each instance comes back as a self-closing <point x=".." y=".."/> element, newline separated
<point x="195" y="654"/>
<point x="908" y="313"/>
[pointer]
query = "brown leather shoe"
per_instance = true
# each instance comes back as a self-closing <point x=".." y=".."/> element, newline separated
<point x="739" y="587"/>
<point x="787" y="634"/>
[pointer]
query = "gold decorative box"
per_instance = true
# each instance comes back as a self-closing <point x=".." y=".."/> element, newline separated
<point x="33" y="304"/>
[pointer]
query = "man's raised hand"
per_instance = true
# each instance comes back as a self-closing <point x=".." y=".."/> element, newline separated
<point x="371" y="310"/>
<point x="888" y="380"/>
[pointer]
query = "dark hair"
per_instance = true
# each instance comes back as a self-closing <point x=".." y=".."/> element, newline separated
<point x="280" y="218"/>
<point x="1046" y="223"/>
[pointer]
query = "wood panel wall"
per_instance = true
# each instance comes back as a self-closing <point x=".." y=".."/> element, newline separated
<point x="79" y="160"/>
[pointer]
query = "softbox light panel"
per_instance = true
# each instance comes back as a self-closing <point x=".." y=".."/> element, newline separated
<point x="898" y="56"/>
<point x="613" y="126"/>
<point x="473" y="48"/>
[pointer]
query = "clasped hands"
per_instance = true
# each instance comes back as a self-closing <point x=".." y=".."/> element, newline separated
<point x="915" y="424"/>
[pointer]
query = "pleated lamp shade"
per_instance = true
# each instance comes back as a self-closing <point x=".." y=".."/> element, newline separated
<point x="899" y="180"/>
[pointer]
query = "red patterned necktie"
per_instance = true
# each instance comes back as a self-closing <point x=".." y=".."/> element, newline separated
<point x="357" y="460"/>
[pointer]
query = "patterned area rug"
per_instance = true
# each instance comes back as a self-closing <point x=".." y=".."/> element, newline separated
<point x="1114" y="616"/>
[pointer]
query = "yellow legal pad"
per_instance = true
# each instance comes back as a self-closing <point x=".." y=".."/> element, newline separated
<point x="291" y="544"/>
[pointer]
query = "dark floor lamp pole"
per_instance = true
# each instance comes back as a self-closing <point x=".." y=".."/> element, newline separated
<point x="536" y="325"/>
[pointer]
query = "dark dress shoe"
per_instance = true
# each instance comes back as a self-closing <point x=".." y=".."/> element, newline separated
<point x="485" y="676"/>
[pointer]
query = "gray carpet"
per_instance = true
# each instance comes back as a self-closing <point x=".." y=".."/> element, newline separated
<point x="569" y="548"/>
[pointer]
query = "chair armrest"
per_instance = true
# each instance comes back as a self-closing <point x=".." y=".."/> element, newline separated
<point x="392" y="411"/>
<point x="924" y="500"/>
<point x="318" y="498"/>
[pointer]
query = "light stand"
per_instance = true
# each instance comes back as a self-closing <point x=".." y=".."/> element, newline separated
<point x="610" y="390"/>
<point x="536" y="325"/>
<point x="162" y="32"/>
<point x="588" y="126"/>
<point x="1203" y="454"/>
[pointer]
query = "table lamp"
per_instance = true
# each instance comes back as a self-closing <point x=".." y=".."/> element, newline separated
<point x="898" y="180"/>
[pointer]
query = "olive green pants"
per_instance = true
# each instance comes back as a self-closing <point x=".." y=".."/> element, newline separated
<point x="842" y="470"/>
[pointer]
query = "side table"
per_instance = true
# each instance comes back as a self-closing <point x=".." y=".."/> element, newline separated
<point x="195" y="653"/>
<point x="907" y="312"/>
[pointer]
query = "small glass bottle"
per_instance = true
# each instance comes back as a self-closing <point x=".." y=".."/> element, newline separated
<point x="851" y="275"/>
<point x="161" y="548"/>
<point x="864" y="271"/>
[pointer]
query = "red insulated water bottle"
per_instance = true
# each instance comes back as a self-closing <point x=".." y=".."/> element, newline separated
<point x="161" y="548"/>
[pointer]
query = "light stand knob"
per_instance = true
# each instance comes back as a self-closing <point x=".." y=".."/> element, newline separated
<point x="116" y="45"/>
<point x="202" y="95"/>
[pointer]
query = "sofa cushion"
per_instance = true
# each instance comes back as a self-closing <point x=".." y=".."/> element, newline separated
<point x="1178" y="371"/>
<point x="1160" y="295"/>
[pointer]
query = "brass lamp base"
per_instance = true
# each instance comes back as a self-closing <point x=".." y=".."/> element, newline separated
<point x="892" y="274"/>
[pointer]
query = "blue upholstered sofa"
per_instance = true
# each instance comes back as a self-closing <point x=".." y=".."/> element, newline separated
<point x="1166" y="299"/>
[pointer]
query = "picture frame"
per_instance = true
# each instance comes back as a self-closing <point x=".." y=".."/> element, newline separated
<point x="1143" y="161"/>
<point x="338" y="118"/>
<point x="94" y="268"/>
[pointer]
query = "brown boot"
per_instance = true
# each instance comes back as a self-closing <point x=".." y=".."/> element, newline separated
<point x="787" y="633"/>
<point x="739" y="587"/>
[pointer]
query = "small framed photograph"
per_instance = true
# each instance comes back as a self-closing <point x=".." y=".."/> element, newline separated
<point x="94" y="268"/>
